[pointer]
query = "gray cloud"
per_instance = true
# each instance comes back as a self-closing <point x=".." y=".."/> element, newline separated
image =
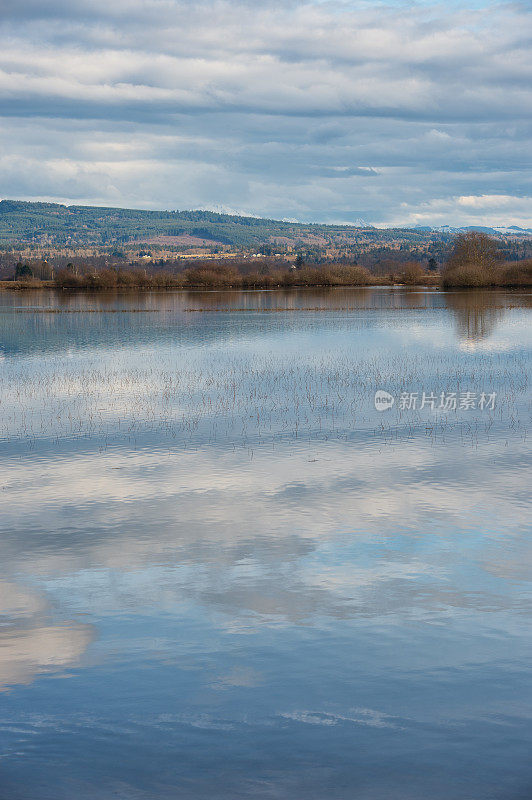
<point x="283" y="110"/>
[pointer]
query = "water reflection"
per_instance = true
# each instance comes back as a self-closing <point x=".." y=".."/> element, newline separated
<point x="35" y="322"/>
<point x="257" y="584"/>
<point x="30" y="643"/>
<point x="477" y="313"/>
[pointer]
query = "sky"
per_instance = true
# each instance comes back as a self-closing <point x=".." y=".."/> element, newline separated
<point x="398" y="113"/>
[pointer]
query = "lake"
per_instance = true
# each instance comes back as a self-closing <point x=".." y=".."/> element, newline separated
<point x="224" y="573"/>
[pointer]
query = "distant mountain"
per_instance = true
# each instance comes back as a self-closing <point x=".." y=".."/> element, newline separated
<point x="493" y="231"/>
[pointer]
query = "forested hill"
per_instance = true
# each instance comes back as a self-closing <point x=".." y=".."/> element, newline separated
<point x="58" y="225"/>
<point x="22" y="222"/>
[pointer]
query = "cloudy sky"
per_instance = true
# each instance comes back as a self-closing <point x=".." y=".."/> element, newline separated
<point x="396" y="113"/>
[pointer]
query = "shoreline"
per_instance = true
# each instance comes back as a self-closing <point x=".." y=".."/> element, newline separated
<point x="27" y="287"/>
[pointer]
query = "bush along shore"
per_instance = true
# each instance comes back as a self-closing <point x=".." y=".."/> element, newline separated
<point x="222" y="276"/>
<point x="474" y="262"/>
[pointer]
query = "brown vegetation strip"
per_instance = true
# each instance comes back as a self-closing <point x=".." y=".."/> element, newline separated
<point x="87" y="310"/>
<point x="277" y="310"/>
<point x="332" y="308"/>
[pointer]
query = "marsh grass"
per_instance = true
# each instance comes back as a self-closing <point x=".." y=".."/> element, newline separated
<point x="86" y="310"/>
<point x="254" y="401"/>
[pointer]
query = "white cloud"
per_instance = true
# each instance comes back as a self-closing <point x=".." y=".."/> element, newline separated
<point x="487" y="209"/>
<point x="493" y="201"/>
<point x="225" y="103"/>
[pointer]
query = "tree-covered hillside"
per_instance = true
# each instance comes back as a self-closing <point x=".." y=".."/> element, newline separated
<point x="22" y="222"/>
<point x="50" y="230"/>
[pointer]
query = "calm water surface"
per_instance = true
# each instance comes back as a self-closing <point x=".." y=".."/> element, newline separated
<point x="225" y="574"/>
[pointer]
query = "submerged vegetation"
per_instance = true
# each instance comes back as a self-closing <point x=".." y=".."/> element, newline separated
<point x="248" y="400"/>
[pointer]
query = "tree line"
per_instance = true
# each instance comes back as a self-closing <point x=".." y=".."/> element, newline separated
<point x="475" y="261"/>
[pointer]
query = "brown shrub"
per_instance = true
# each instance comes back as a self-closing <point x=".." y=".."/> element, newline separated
<point x="517" y="273"/>
<point x="468" y="276"/>
<point x="412" y="274"/>
<point x="131" y="277"/>
<point x="104" y="279"/>
<point x="331" y="275"/>
<point x="256" y="280"/>
<point x="217" y="276"/>
<point x="165" y="280"/>
<point x="65" y="279"/>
